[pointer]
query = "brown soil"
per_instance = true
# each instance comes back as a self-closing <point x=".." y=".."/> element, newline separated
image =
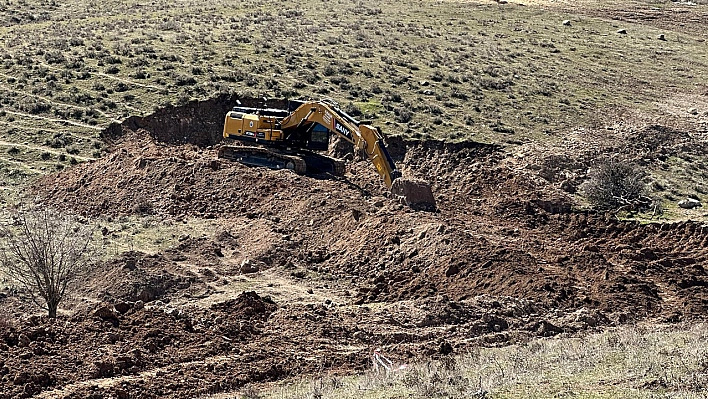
<point x="503" y="259"/>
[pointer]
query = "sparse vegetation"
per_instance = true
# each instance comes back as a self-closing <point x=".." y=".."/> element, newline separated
<point x="630" y="362"/>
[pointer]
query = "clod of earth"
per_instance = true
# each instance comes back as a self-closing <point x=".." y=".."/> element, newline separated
<point x="415" y="193"/>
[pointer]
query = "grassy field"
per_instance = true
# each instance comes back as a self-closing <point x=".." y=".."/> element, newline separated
<point x="498" y="73"/>
<point x="629" y="362"/>
<point x="454" y="70"/>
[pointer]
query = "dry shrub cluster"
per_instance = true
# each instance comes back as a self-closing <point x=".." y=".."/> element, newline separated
<point x="614" y="183"/>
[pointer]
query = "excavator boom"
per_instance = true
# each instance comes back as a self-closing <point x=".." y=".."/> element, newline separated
<point x="364" y="137"/>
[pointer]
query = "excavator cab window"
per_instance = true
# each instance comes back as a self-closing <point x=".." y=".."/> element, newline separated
<point x="319" y="138"/>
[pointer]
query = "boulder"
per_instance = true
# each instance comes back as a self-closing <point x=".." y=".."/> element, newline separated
<point x="249" y="266"/>
<point x="23" y="340"/>
<point x="690" y="203"/>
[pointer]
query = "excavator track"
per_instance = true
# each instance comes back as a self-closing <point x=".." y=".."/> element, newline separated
<point x="301" y="162"/>
<point x="259" y="156"/>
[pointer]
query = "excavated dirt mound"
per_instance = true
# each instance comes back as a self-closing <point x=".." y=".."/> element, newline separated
<point x="504" y="258"/>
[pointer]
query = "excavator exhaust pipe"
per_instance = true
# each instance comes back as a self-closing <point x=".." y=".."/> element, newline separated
<point x="417" y="194"/>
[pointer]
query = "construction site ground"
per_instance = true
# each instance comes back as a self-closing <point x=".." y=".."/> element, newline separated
<point x="293" y="275"/>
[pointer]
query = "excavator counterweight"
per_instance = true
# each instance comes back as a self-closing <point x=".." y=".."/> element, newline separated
<point x="289" y="139"/>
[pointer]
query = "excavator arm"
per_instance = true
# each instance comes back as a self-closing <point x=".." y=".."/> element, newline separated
<point x="364" y="137"/>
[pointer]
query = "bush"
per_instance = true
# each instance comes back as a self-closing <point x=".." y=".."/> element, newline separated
<point x="614" y="184"/>
<point x="402" y="115"/>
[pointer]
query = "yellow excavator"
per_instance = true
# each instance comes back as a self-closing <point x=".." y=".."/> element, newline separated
<point x="289" y="138"/>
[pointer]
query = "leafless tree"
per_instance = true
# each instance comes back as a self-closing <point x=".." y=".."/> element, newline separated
<point x="45" y="251"/>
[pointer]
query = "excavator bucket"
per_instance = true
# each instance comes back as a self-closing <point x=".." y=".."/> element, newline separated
<point x="417" y="194"/>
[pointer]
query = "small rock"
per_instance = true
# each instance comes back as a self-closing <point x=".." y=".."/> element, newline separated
<point x="690" y="203"/>
<point x="113" y="337"/>
<point x="428" y="92"/>
<point x="622" y="31"/>
<point x="102" y="368"/>
<point x="566" y="22"/>
<point x="248" y="266"/>
<point x="106" y="313"/>
<point x="122" y="307"/>
<point x="693" y="111"/>
<point x="360" y="335"/>
<point x="139" y="305"/>
<point x="452" y="270"/>
<point x="546" y="329"/>
<point x="310" y="291"/>
<point x="23" y="340"/>
<point x="424" y="83"/>
<point x="661" y="37"/>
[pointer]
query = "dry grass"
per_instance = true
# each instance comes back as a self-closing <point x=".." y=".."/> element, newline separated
<point x="629" y="362"/>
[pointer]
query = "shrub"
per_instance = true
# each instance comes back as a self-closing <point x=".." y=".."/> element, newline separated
<point x="613" y="184"/>
<point x="403" y="115"/>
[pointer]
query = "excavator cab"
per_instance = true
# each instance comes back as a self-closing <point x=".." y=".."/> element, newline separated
<point x="317" y="138"/>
